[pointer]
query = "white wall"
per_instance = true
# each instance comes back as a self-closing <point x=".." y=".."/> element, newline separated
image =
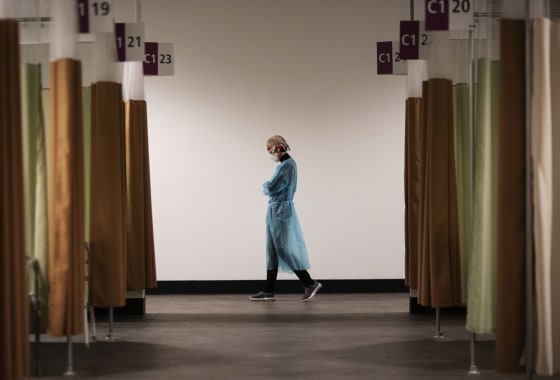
<point x="249" y="69"/>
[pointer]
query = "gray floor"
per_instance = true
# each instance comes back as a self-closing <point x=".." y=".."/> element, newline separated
<point x="334" y="336"/>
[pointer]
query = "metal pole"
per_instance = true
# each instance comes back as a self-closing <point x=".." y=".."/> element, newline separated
<point x="471" y="120"/>
<point x="474" y="368"/>
<point x="139" y="10"/>
<point x="438" y="335"/>
<point x="36" y="317"/>
<point x="411" y="10"/>
<point x="86" y="307"/>
<point x="70" y="369"/>
<point x="89" y="308"/>
<point x="109" y="336"/>
<point x="92" y="317"/>
<point x="529" y="359"/>
<point x="86" y="330"/>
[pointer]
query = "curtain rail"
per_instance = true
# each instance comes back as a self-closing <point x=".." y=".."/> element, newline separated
<point x="33" y="19"/>
<point x="499" y="14"/>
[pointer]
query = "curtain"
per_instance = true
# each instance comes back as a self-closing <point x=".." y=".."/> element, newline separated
<point x="555" y="257"/>
<point x="414" y="141"/>
<point x="14" y="318"/>
<point x="412" y="190"/>
<point x="482" y="266"/>
<point x="141" y="269"/>
<point x="439" y="277"/>
<point x="511" y="241"/>
<point x="463" y="166"/>
<point x="545" y="129"/>
<point x="86" y="109"/>
<point x="35" y="175"/>
<point x="107" y="263"/>
<point x="66" y="201"/>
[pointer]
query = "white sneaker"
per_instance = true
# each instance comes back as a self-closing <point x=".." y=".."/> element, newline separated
<point x="262" y="296"/>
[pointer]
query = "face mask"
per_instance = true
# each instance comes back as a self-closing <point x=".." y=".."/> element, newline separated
<point x="274" y="157"/>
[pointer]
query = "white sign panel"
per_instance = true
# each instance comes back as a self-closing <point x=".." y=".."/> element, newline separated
<point x="426" y="40"/>
<point x="130" y="41"/>
<point x="461" y="14"/>
<point x="95" y="16"/>
<point x="399" y="64"/>
<point x="159" y="59"/>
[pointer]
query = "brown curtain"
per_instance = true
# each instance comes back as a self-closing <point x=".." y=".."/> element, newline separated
<point x="66" y="201"/>
<point x="107" y="269"/>
<point x="439" y="269"/>
<point x="14" y="318"/>
<point x="510" y="287"/>
<point x="412" y="186"/>
<point x="141" y="269"/>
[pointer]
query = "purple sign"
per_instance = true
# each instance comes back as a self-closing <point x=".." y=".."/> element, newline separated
<point x="83" y="16"/>
<point x="151" y="58"/>
<point x="409" y="40"/>
<point x="121" y="46"/>
<point x="385" y="57"/>
<point x="437" y="14"/>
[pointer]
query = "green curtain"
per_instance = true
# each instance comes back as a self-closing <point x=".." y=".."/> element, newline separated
<point x="35" y="179"/>
<point x="464" y="168"/>
<point x="481" y="306"/>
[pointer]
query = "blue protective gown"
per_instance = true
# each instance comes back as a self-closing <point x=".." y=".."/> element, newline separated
<point x="285" y="247"/>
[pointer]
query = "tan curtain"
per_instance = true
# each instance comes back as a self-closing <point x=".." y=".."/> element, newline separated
<point x="141" y="269"/>
<point x="14" y="318"/>
<point x="66" y="201"/>
<point x="510" y="277"/>
<point x="545" y="130"/>
<point x="555" y="257"/>
<point x="412" y="178"/>
<point x="107" y="265"/>
<point x="439" y="272"/>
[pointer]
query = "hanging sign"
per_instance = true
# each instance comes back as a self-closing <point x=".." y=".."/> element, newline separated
<point x="409" y="39"/>
<point x="414" y="40"/>
<point x="437" y="14"/>
<point x="130" y="41"/>
<point x="385" y="58"/>
<point x="94" y="16"/>
<point x="158" y="59"/>
<point x="461" y="15"/>
<point x="389" y="59"/>
<point x="449" y="14"/>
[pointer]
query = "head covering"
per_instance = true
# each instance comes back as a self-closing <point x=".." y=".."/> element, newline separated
<point x="277" y="144"/>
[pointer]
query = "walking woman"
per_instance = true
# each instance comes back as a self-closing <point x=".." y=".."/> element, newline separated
<point x="285" y="246"/>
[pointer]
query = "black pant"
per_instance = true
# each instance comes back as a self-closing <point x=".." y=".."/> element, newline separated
<point x="272" y="274"/>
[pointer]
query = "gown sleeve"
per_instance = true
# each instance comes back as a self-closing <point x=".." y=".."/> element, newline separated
<point x="279" y="181"/>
